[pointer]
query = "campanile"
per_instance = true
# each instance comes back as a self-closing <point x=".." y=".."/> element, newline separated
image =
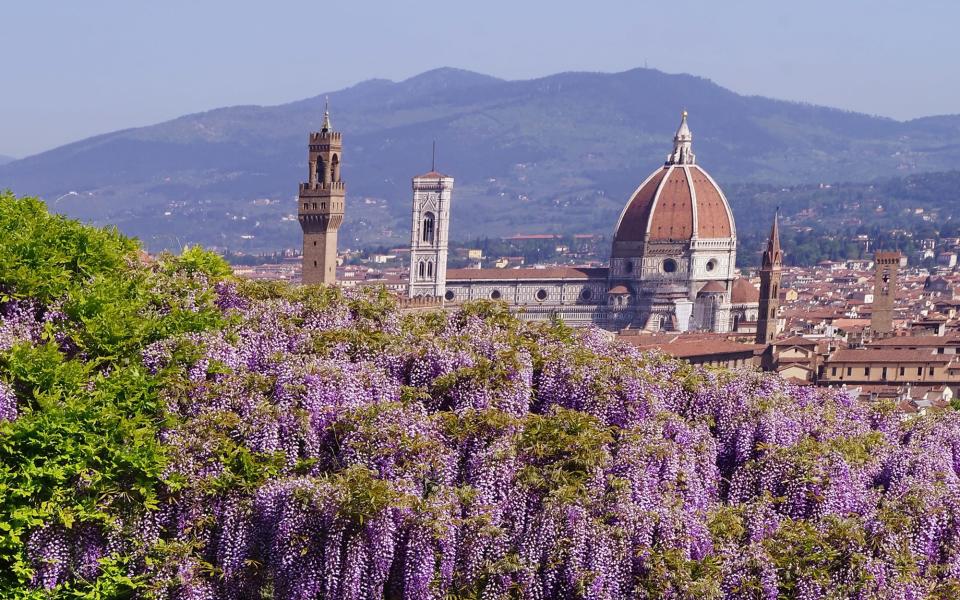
<point x="321" y="204"/>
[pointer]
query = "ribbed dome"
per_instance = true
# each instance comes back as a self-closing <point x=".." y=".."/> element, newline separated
<point x="675" y="202"/>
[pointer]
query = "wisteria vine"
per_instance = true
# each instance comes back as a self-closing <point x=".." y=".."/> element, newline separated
<point x="324" y="445"/>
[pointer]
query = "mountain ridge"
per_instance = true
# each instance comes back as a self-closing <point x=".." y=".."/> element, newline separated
<point x="553" y="141"/>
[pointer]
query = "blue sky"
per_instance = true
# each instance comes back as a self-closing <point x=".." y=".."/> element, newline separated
<point x="74" y="69"/>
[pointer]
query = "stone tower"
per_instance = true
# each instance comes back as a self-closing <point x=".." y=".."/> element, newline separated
<point x="770" y="273"/>
<point x="430" y="232"/>
<point x="320" y="205"/>
<point x="887" y="265"/>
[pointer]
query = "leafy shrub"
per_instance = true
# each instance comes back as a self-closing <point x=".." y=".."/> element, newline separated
<point x="168" y="432"/>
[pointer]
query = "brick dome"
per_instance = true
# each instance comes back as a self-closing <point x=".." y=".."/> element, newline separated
<point x="744" y="292"/>
<point x="677" y="202"/>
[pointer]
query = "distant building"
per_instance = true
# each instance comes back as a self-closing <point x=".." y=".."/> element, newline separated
<point x="890" y="366"/>
<point x="770" y="275"/>
<point x="429" y="234"/>
<point x="671" y="267"/>
<point x="884" y="292"/>
<point x="320" y="205"/>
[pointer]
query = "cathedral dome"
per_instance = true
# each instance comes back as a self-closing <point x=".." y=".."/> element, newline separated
<point x="744" y="292"/>
<point x="677" y="202"/>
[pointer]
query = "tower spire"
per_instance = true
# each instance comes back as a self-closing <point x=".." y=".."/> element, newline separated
<point x="770" y="273"/>
<point x="326" y="115"/>
<point x="773" y="256"/>
<point x="682" y="144"/>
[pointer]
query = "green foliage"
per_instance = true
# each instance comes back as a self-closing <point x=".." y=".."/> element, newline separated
<point x="195" y="260"/>
<point x="671" y="570"/>
<point x="44" y="256"/>
<point x="361" y="494"/>
<point x="565" y="447"/>
<point x="85" y="448"/>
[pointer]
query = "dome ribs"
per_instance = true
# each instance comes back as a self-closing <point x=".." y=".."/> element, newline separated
<point x="713" y="220"/>
<point x="633" y="223"/>
<point x="672" y="217"/>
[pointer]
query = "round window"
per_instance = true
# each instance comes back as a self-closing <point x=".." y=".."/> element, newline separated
<point x="628" y="266"/>
<point x="711" y="264"/>
<point x="541" y="295"/>
<point x="495" y="295"/>
<point x="449" y="295"/>
<point x="669" y="266"/>
<point x="586" y="294"/>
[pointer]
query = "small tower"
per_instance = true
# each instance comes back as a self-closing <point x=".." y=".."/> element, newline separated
<point x="682" y="145"/>
<point x="887" y="265"/>
<point x="321" y="204"/>
<point x="770" y="273"/>
<point x="430" y="232"/>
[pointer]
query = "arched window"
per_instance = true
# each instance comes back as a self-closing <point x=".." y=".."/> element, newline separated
<point x="335" y="168"/>
<point x="422" y="269"/>
<point x="428" y="228"/>
<point x="323" y="176"/>
<point x="430" y="269"/>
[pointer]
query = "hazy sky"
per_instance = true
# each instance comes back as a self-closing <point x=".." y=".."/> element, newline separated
<point x="71" y="69"/>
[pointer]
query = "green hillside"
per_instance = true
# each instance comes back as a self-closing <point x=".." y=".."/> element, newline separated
<point x="549" y="154"/>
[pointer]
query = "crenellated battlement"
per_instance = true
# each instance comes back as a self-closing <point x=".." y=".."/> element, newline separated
<point x="319" y="137"/>
<point x="330" y="186"/>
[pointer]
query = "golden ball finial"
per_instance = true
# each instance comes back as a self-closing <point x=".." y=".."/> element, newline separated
<point x="684" y="114"/>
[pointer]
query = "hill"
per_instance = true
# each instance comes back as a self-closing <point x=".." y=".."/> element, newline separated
<point x="170" y="432"/>
<point x="4" y="159"/>
<point x="565" y="149"/>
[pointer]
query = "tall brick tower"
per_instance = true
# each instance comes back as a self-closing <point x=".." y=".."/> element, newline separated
<point x="887" y="266"/>
<point x="770" y="272"/>
<point x="320" y="205"/>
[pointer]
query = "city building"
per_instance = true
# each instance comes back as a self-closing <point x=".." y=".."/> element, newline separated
<point x="884" y="292"/>
<point x="672" y="265"/>
<point x="320" y="205"/>
<point x="770" y="274"/>
<point x="429" y="234"/>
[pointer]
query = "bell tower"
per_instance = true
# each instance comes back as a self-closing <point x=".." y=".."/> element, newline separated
<point x="884" y="293"/>
<point x="321" y="204"/>
<point x="430" y="233"/>
<point x="770" y="273"/>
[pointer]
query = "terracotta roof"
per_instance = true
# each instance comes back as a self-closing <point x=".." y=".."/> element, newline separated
<point x="672" y="217"/>
<point x="713" y="220"/>
<point x="633" y="222"/>
<point x="796" y="340"/>
<point x="665" y="203"/>
<point x="871" y="355"/>
<point x="619" y="289"/>
<point x="713" y="287"/>
<point x="431" y="175"/>
<point x="688" y="345"/>
<point x="743" y="292"/>
<point x="851" y="324"/>
<point x="527" y="274"/>
<point x="917" y="341"/>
